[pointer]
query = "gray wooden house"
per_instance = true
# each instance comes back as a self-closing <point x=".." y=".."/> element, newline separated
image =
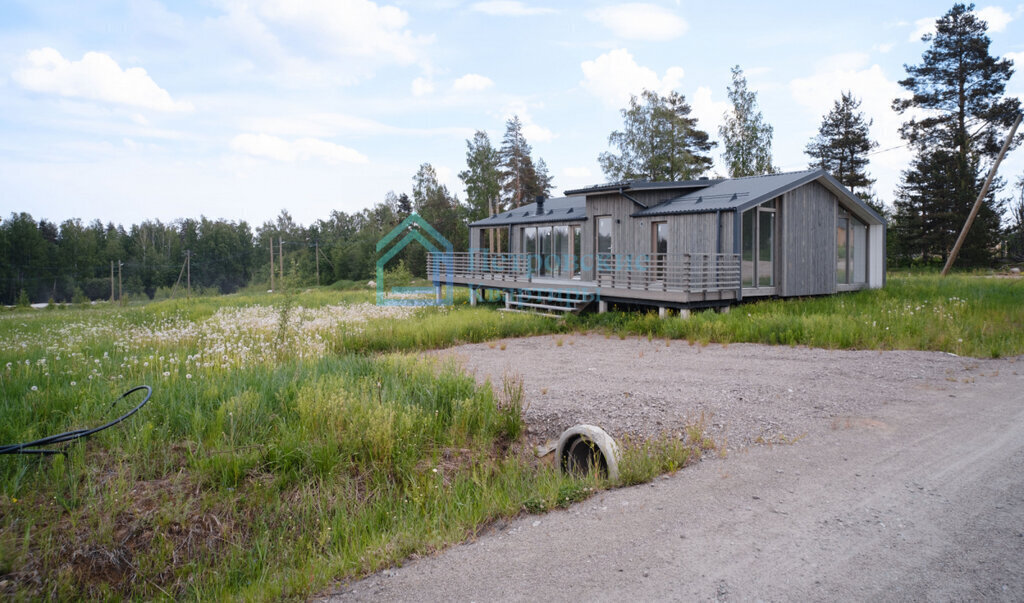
<point x="700" y="243"/>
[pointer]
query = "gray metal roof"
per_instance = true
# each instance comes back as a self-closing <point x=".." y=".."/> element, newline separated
<point x="641" y="185"/>
<point x="740" y="194"/>
<point x="558" y="209"/>
<point x="698" y="196"/>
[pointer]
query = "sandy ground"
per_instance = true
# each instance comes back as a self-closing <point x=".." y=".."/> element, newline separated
<point x="906" y="479"/>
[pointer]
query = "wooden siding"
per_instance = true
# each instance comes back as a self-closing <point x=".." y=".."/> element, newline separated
<point x="623" y="227"/>
<point x="807" y="250"/>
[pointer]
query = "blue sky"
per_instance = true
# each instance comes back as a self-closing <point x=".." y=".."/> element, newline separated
<point x="238" y="109"/>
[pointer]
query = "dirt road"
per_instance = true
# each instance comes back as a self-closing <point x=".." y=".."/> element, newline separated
<point x="911" y="489"/>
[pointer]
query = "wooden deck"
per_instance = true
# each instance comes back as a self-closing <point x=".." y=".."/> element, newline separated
<point x="683" y="280"/>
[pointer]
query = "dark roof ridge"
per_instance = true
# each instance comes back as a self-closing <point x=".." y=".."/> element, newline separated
<point x="789" y="173"/>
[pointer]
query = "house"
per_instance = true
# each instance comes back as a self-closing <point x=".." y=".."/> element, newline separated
<point x="699" y="243"/>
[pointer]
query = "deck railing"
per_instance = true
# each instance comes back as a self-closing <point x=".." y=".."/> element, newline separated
<point x="682" y="272"/>
<point x="482" y="265"/>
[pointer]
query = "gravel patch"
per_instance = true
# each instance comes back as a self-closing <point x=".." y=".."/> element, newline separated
<point x="743" y="393"/>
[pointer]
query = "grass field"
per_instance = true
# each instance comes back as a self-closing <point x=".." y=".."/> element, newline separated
<point x="298" y="439"/>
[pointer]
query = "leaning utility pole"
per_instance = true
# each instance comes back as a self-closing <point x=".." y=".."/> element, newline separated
<point x="271" y="263"/>
<point x="280" y="258"/>
<point x="111" y="281"/>
<point x="120" y="291"/>
<point x="316" y="244"/>
<point x="977" y="202"/>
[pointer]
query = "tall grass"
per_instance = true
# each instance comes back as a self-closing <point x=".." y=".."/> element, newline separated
<point x="967" y="315"/>
<point x="261" y="474"/>
<point x="262" y="483"/>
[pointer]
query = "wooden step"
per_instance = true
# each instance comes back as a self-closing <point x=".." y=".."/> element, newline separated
<point x="541" y="306"/>
<point x="548" y="314"/>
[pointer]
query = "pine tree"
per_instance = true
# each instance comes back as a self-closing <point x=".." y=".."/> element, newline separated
<point x="481" y="176"/>
<point x="958" y="88"/>
<point x="659" y="141"/>
<point x="747" y="138"/>
<point x="544" y="179"/>
<point x="1015" y="232"/>
<point x="518" y="173"/>
<point x="842" y="145"/>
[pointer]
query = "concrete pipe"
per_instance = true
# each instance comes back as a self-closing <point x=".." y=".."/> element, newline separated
<point x="586" y="447"/>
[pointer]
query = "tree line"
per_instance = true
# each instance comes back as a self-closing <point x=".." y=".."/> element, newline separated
<point x="958" y="88"/>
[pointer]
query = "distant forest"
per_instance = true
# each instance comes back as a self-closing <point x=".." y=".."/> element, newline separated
<point x="42" y="261"/>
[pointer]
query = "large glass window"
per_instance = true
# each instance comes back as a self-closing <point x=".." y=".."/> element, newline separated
<point x="842" y="248"/>
<point x="748" y="247"/>
<point x="604" y="234"/>
<point x="765" y="248"/>
<point x="576" y="250"/>
<point x="603" y="243"/>
<point x="659" y="247"/>
<point x="859" y="242"/>
<point x="758" y="246"/>
<point x="530" y="246"/>
<point x="560" y="260"/>
<point x="851" y="249"/>
<point x="544" y="248"/>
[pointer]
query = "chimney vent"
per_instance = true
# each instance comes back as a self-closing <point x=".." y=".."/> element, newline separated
<point x="540" y="205"/>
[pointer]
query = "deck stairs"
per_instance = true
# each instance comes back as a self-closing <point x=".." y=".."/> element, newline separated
<point x="547" y="302"/>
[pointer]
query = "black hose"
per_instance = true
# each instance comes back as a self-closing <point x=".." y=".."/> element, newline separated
<point x="68" y="436"/>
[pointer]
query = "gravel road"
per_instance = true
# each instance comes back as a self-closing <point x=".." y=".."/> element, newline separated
<point x="905" y="481"/>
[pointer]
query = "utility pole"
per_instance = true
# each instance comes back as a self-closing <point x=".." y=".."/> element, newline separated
<point x="111" y="281"/>
<point x="120" y="291"/>
<point x="977" y="202"/>
<point x="316" y="244"/>
<point x="271" y="262"/>
<point x="188" y="272"/>
<point x="280" y="258"/>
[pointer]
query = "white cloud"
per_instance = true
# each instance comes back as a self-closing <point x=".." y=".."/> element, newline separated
<point x="472" y="82"/>
<point x="615" y="76"/>
<point x="922" y="27"/>
<point x="995" y="16"/>
<point x="447" y="177"/>
<point x="301" y="149"/>
<point x="836" y="74"/>
<point x="576" y="173"/>
<point x="884" y="48"/>
<point x="509" y="8"/>
<point x="341" y="28"/>
<point x="331" y="125"/>
<point x="707" y="110"/>
<point x="95" y="77"/>
<point x="531" y="130"/>
<point x="422" y="86"/>
<point x="1017" y="58"/>
<point x="638" y="21"/>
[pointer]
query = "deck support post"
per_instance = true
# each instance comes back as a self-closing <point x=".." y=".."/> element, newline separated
<point x="602" y="307"/>
<point x="722" y="309"/>
<point x="684" y="313"/>
<point x="472" y="296"/>
<point x="662" y="312"/>
<point x="437" y="293"/>
<point x="508" y="301"/>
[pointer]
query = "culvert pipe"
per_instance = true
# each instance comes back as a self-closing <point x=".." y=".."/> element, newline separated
<point x="584" y="448"/>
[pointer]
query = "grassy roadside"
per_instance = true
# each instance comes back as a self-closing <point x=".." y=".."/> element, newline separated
<point x="298" y="439"/>
<point x="267" y="464"/>
<point x="962" y="314"/>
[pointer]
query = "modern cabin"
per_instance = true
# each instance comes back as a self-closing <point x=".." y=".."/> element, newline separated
<point x="699" y="243"/>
